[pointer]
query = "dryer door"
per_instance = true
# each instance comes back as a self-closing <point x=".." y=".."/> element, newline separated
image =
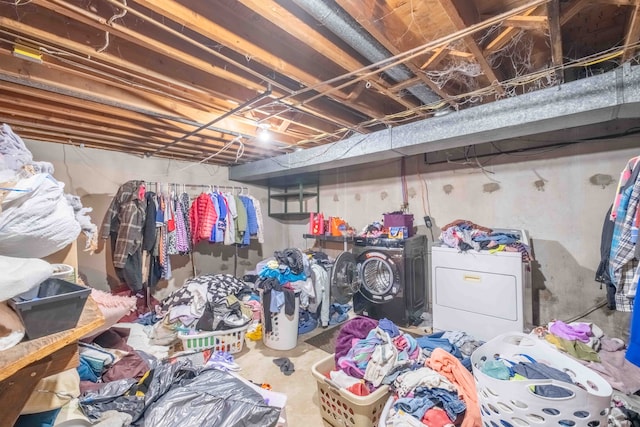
<point x="379" y="276"/>
<point x="344" y="278"/>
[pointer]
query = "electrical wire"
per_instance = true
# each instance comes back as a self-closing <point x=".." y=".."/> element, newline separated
<point x="587" y="312"/>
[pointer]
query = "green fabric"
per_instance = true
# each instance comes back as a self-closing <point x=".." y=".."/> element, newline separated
<point x="496" y="369"/>
<point x="576" y="348"/>
<point x="241" y="220"/>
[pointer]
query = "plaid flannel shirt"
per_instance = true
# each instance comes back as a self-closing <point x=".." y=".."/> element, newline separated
<point x="125" y="218"/>
<point x="622" y="261"/>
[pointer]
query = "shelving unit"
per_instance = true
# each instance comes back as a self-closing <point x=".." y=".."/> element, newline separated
<point x="293" y="200"/>
<point x="345" y="240"/>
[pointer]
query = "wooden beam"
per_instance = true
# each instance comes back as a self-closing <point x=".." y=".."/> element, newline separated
<point x="573" y="9"/>
<point x="354" y="7"/>
<point x="492" y="75"/>
<point x="632" y="33"/>
<point x="405" y="84"/>
<point x="505" y="35"/>
<point x="437" y="57"/>
<point x="176" y="12"/>
<point x="70" y="80"/>
<point x="527" y="22"/>
<point x="192" y="59"/>
<point x="155" y="45"/>
<point x="555" y="38"/>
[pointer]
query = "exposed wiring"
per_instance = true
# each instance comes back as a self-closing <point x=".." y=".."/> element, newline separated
<point x="118" y="15"/>
<point x="587" y="312"/>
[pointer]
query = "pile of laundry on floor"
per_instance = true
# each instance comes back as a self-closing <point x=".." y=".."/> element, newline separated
<point x="209" y="302"/>
<point x="465" y="235"/>
<point x="429" y="376"/>
<point x="145" y="391"/>
<point x="586" y="343"/>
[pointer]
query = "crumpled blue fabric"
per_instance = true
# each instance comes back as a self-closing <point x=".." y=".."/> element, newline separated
<point x="282" y="275"/>
<point x="307" y="322"/>
<point x="338" y="313"/>
<point x="416" y="406"/>
<point x="500" y="238"/>
<point x="277" y="301"/>
<point x="537" y="371"/>
<point x="86" y="372"/>
<point x="449" y="400"/>
<point x="389" y="327"/>
<point x="431" y="342"/>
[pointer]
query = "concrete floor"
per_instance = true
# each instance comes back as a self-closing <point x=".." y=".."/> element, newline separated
<point x="301" y="388"/>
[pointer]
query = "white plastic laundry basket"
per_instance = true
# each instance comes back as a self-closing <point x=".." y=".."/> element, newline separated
<point x="284" y="329"/>
<point x="506" y="403"/>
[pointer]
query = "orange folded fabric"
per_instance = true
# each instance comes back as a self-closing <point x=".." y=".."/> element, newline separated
<point x="450" y="367"/>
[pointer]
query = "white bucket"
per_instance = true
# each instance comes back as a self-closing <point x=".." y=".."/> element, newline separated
<point x="64" y="272"/>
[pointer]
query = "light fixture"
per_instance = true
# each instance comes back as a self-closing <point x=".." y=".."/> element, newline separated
<point x="263" y="133"/>
<point x="26" y="52"/>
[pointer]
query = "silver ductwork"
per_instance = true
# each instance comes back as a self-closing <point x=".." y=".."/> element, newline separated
<point x="345" y="27"/>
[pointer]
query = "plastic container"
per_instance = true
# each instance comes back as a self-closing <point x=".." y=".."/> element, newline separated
<point x="64" y="272"/>
<point x="385" y="412"/>
<point x="399" y="220"/>
<point x="514" y="403"/>
<point x="340" y="407"/>
<point x="230" y="340"/>
<point x="57" y="307"/>
<point x="284" y="329"/>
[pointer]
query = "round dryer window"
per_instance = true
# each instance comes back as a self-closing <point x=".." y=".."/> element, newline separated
<point x="379" y="277"/>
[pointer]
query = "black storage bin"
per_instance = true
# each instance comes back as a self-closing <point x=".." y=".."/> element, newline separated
<point x="57" y="308"/>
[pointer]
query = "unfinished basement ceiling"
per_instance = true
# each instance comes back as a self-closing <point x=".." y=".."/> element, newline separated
<point x="202" y="80"/>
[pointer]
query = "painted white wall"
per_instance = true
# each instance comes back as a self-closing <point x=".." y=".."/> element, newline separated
<point x="95" y="176"/>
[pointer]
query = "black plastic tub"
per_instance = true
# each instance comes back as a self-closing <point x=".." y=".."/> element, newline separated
<point x="56" y="308"/>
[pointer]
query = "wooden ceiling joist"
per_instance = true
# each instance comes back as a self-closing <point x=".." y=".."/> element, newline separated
<point x="555" y="37"/>
<point x="455" y="15"/>
<point x="354" y="7"/>
<point x="507" y="34"/>
<point x="182" y="15"/>
<point x="632" y="33"/>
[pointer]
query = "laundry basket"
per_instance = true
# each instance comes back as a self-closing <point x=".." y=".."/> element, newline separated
<point x="230" y="340"/>
<point x="284" y="328"/>
<point x="514" y="404"/>
<point x="340" y="407"/>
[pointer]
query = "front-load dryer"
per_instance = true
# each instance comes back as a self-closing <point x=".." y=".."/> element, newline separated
<point x="387" y="278"/>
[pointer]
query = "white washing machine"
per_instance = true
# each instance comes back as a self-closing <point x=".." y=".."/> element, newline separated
<point x="484" y="294"/>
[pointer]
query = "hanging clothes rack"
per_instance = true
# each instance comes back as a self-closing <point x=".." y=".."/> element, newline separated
<point x="212" y="187"/>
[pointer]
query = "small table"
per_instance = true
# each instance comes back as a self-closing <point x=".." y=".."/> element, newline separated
<point x="22" y="366"/>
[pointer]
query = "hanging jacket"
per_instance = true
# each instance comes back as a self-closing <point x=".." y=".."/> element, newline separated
<point x="241" y="220"/>
<point x="232" y="215"/>
<point x="203" y="217"/>
<point x="258" y="209"/>
<point x="125" y="219"/>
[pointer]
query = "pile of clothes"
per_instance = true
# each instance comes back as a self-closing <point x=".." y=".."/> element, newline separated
<point x="157" y="397"/>
<point x="429" y="376"/>
<point x="209" y="302"/>
<point x="464" y="235"/>
<point x="586" y="343"/>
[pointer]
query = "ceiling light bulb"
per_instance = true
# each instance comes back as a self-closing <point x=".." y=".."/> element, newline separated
<point x="264" y="135"/>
